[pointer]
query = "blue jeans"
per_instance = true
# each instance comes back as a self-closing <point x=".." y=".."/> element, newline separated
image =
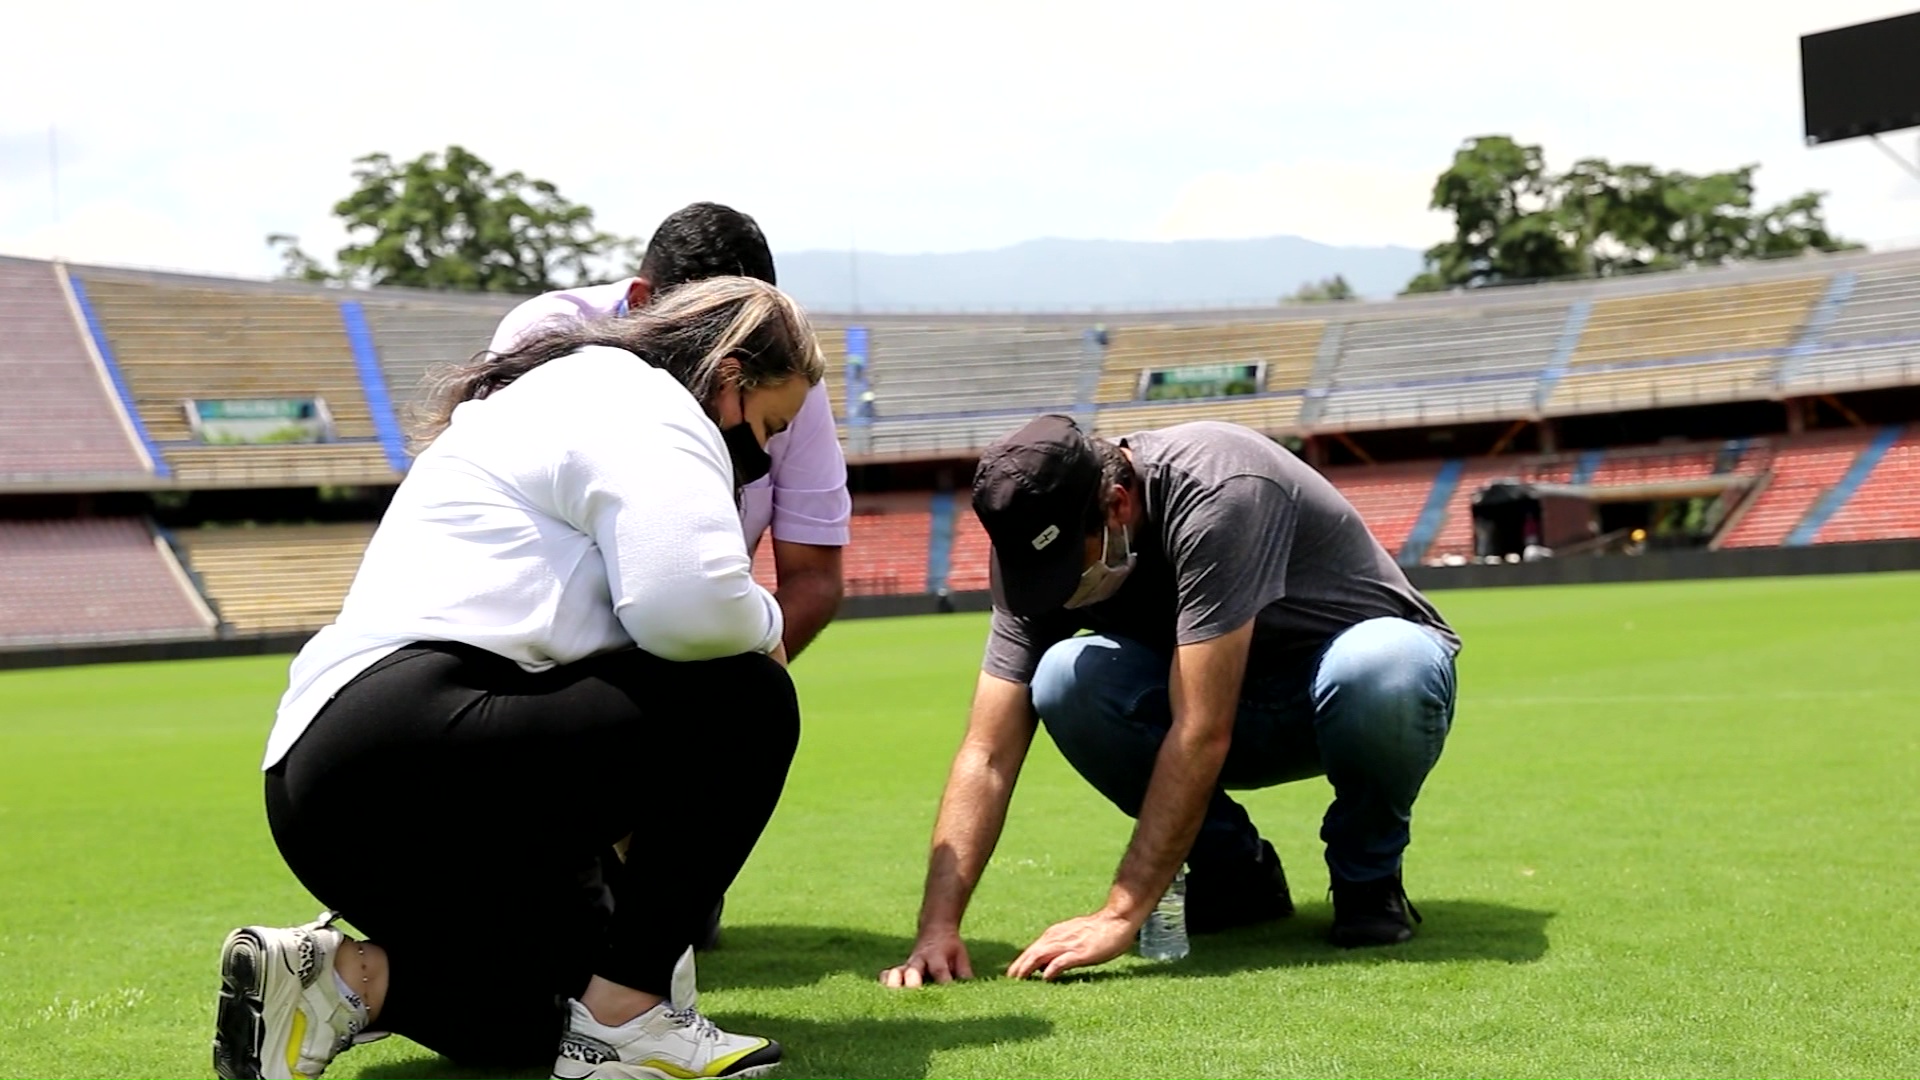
<point x="1369" y="710"/>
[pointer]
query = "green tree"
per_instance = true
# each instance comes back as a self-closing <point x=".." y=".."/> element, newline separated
<point x="1501" y="197"/>
<point x="448" y="221"/>
<point x="297" y="265"/>
<point x="1333" y="288"/>
<point x="1516" y="221"/>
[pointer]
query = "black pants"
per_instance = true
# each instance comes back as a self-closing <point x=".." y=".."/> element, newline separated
<point x="460" y="812"/>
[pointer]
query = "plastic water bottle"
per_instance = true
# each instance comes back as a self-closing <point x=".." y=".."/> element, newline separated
<point x="1164" y="935"/>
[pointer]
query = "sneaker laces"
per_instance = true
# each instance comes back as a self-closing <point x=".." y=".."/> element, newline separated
<point x="690" y="1018"/>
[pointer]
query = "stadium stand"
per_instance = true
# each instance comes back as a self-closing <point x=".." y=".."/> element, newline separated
<point x="280" y="466"/>
<point x="1428" y="403"/>
<point x="1656" y="386"/>
<point x="1455" y="536"/>
<point x="1874" y="339"/>
<point x="1270" y="413"/>
<point x="929" y="370"/>
<point x="276" y="578"/>
<point x="1728" y="319"/>
<point x="887" y="550"/>
<point x="1389" y="497"/>
<point x="1887" y="505"/>
<point x="1287" y="348"/>
<point x="1654" y="466"/>
<point x="972" y="553"/>
<point x="833" y="350"/>
<point x="1801" y="470"/>
<point x="1466" y="344"/>
<point x="946" y="390"/>
<point x="1674" y="348"/>
<point x="931" y="435"/>
<point x="763" y="567"/>
<point x="59" y="421"/>
<point x="93" y="579"/>
<point x="176" y="341"/>
<point x="1436" y="367"/>
<point x="415" y="335"/>
<point x="100" y="370"/>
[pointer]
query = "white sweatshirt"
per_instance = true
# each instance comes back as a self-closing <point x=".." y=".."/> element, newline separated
<point x="587" y="507"/>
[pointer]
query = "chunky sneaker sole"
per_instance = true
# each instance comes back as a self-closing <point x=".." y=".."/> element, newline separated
<point x="615" y="1070"/>
<point x="275" y="986"/>
<point x="239" y="1026"/>
<point x="243" y="1045"/>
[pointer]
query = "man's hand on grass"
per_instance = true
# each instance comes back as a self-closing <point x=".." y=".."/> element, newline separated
<point x="939" y="957"/>
<point x="1082" y="942"/>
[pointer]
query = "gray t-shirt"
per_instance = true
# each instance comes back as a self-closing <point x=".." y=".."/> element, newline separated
<point x="1236" y="528"/>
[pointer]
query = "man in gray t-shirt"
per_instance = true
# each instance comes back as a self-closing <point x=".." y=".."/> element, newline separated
<point x="1247" y="631"/>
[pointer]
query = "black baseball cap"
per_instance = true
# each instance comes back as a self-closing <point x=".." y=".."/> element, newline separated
<point x="1033" y="491"/>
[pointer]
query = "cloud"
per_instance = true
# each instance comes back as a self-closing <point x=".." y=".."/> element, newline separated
<point x="1334" y="202"/>
<point x="121" y="233"/>
<point x="214" y="123"/>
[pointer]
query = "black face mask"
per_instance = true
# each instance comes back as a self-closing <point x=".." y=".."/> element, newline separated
<point x="750" y="459"/>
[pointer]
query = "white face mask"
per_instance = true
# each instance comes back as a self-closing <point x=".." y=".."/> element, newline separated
<point x="1104" y="578"/>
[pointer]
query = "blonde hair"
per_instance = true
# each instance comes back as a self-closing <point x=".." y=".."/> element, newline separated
<point x="689" y="332"/>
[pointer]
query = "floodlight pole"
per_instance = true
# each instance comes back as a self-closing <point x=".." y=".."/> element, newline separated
<point x="1912" y="169"/>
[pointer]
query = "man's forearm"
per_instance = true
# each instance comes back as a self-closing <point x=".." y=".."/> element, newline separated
<point x="1184" y="775"/>
<point x="1204" y="691"/>
<point x="972" y="814"/>
<point x="808" y="602"/>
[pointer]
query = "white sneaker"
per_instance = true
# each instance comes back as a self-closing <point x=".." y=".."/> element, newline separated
<point x="670" y="1041"/>
<point x="281" y="1015"/>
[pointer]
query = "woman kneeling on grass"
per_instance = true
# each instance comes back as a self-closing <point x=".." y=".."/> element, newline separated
<point x="554" y="629"/>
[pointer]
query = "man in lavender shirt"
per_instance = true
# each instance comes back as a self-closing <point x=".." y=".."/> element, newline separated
<point x="803" y="497"/>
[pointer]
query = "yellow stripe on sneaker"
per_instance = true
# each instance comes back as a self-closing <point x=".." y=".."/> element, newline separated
<point x="715" y="1067"/>
<point x="293" y="1046"/>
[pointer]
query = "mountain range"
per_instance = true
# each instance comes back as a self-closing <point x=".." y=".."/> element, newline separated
<point x="1040" y="275"/>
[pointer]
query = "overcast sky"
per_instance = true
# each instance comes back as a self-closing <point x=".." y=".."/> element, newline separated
<point x="187" y="132"/>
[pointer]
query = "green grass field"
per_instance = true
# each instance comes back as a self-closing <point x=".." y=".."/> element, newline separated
<point x="1673" y="834"/>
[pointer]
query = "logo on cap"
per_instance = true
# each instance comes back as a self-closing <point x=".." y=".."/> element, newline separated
<point x="1047" y="536"/>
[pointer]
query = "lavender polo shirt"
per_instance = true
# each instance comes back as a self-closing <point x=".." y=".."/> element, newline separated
<point x="803" y="498"/>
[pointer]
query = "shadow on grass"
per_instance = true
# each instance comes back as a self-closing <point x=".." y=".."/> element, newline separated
<point x="880" y="1047"/>
<point x="822" y="1048"/>
<point x="783" y="956"/>
<point x="433" y="1067"/>
<point x="1453" y="930"/>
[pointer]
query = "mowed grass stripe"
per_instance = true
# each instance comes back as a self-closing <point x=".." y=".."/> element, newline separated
<point x="1671" y="835"/>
